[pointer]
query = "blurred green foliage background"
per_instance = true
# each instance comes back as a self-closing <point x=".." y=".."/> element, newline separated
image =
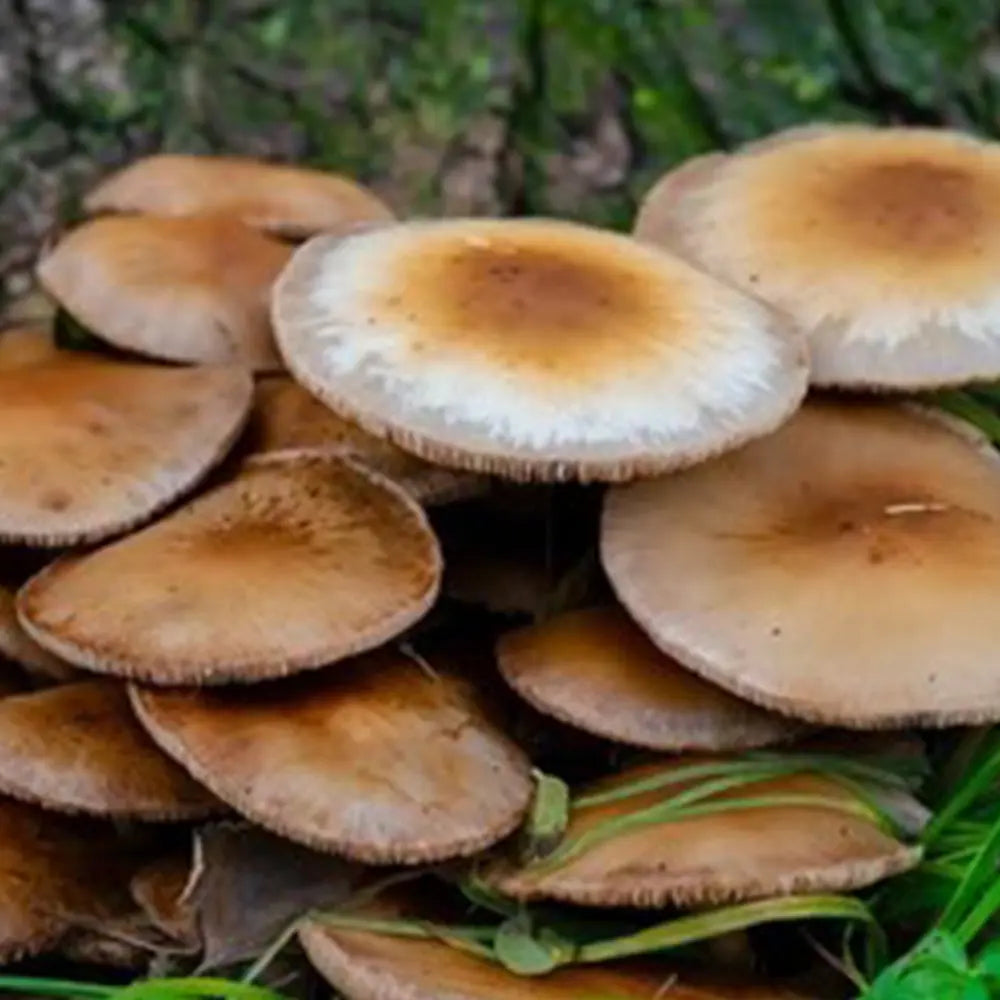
<point x="569" y="107"/>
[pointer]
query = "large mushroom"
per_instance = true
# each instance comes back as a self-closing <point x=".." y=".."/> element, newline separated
<point x="843" y="570"/>
<point x="193" y="290"/>
<point x="881" y="244"/>
<point x="376" y="759"/>
<point x="301" y="560"/>
<point x="288" y="200"/>
<point x="90" y="448"/>
<point x="533" y="349"/>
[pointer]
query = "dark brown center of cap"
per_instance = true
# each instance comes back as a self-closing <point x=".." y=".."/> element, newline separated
<point x="538" y="301"/>
<point x="926" y="206"/>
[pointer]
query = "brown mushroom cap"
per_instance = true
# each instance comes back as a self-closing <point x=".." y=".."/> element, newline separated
<point x="301" y="560"/>
<point x="286" y="416"/>
<point x="721" y="857"/>
<point x="376" y="760"/>
<point x="364" y="965"/>
<point x="533" y="349"/>
<point x="78" y="748"/>
<point x="160" y="889"/>
<point x="18" y="647"/>
<point x="92" y="448"/>
<point x="595" y="669"/>
<point x="844" y="570"/>
<point x="54" y="870"/>
<point x="189" y="290"/>
<point x="289" y="200"/>
<point x="25" y="346"/>
<point x="881" y="244"/>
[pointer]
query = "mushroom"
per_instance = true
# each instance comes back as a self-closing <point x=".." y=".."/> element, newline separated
<point x="78" y="748"/>
<point x="290" y="201"/>
<point x="368" y="965"/>
<point x="376" y="760"/>
<point x="721" y="856"/>
<point x="533" y="349"/>
<point x="843" y="570"/>
<point x="192" y="290"/>
<point x="90" y="448"/>
<point x="25" y="346"/>
<point x="17" y="646"/>
<point x="880" y="244"/>
<point x="299" y="561"/>
<point x="55" y="871"/>
<point x="595" y="669"/>
<point x="286" y="416"/>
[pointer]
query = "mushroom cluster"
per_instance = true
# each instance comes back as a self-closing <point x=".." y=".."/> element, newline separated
<point x="363" y="571"/>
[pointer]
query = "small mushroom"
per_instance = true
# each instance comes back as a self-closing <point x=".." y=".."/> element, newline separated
<point x="291" y="201"/>
<point x="285" y="416"/>
<point x="300" y="560"/>
<point x="843" y="570"/>
<point x="595" y="669"/>
<point x="78" y="748"/>
<point x="16" y="645"/>
<point x="376" y="760"/>
<point x="724" y="856"/>
<point x="533" y="349"/>
<point x="882" y="245"/>
<point x="92" y="448"/>
<point x="367" y="965"/>
<point x="192" y="290"/>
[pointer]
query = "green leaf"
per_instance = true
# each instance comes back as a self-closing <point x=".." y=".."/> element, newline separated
<point x="520" y="952"/>
<point x="549" y="816"/>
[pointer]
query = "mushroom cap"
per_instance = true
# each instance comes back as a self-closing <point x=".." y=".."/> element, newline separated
<point x="18" y="647"/>
<point x="161" y="891"/>
<point x="722" y="857"/>
<point x="194" y="290"/>
<point x="92" y="448"/>
<point x="377" y="760"/>
<point x="880" y="244"/>
<point x="285" y="416"/>
<point x="301" y="560"/>
<point x="658" y="213"/>
<point x="595" y="669"/>
<point x="25" y="346"/>
<point x="843" y="570"/>
<point x="78" y="748"/>
<point x="53" y="870"/>
<point x="533" y="349"/>
<point x="289" y="200"/>
<point x="364" y="965"/>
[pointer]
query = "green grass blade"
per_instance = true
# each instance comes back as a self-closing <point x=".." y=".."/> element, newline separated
<point x="701" y="926"/>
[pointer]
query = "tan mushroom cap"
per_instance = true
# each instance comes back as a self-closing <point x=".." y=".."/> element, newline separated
<point x="53" y="870"/>
<point x="78" y="748"/>
<point x="92" y="448"/>
<point x="286" y="416"/>
<point x="722" y="857"/>
<point x="289" y="200"/>
<point x="300" y="560"/>
<point x="194" y="290"/>
<point x="533" y="349"/>
<point x="25" y="346"/>
<point x="376" y="760"/>
<point x="881" y="244"/>
<point x="18" y="647"/>
<point x="161" y="890"/>
<point x="364" y="965"/>
<point x="658" y="213"/>
<point x="595" y="669"/>
<point x="811" y="573"/>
